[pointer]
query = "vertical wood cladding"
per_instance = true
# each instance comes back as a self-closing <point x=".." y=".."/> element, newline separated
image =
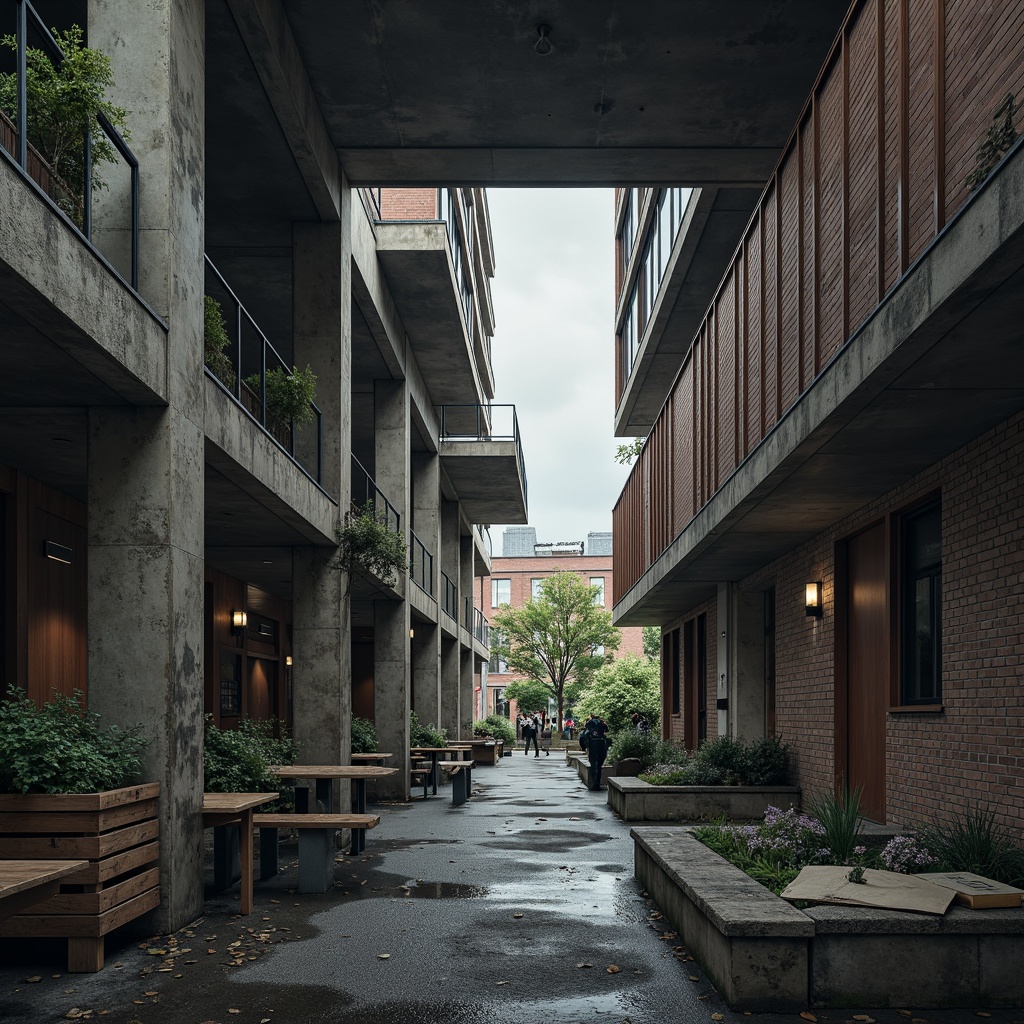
<point x="876" y="165"/>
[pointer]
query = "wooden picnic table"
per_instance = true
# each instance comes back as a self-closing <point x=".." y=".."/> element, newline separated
<point x="370" y="758"/>
<point x="24" y="883"/>
<point x="323" y="776"/>
<point x="435" y="753"/>
<point x="221" y="809"/>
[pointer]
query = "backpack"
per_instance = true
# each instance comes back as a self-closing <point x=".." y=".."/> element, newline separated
<point x="584" y="738"/>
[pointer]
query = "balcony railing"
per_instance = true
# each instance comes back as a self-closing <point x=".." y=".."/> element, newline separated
<point x="421" y="565"/>
<point x="481" y="627"/>
<point x="473" y="423"/>
<point x="77" y="208"/>
<point x="242" y="372"/>
<point x="449" y="597"/>
<point x="366" y="492"/>
<point x="467" y="614"/>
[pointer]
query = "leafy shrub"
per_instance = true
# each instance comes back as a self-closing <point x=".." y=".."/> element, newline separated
<point x="973" y="841"/>
<point x="497" y="726"/>
<point x="364" y="737"/>
<point x="236" y="760"/>
<point x="628" y="685"/>
<point x="767" y="762"/>
<point x="368" y="545"/>
<point x="425" y="735"/>
<point x="215" y="340"/>
<point x="719" y="762"/>
<point x="633" y="744"/>
<point x="59" y="748"/>
<point x="290" y="396"/>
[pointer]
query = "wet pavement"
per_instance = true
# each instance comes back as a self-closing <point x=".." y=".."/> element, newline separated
<point x="519" y="906"/>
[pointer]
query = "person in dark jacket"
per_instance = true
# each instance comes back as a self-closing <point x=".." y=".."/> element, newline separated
<point x="530" y="736"/>
<point x="597" y="749"/>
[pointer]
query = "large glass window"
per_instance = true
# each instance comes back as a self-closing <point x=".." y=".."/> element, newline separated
<point x="535" y="590"/>
<point x="501" y="592"/>
<point x="921" y="605"/>
<point x="598" y="581"/>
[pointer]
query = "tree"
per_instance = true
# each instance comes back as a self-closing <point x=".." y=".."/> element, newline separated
<point x="556" y="637"/>
<point x="529" y="694"/>
<point x="626" y="453"/>
<point x="627" y="686"/>
<point x="652" y="642"/>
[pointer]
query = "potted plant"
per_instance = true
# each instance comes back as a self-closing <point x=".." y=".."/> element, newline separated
<point x="289" y="397"/>
<point x="215" y="340"/>
<point x="62" y="104"/>
<point x="364" y="737"/>
<point x="68" y="791"/>
<point x="368" y="546"/>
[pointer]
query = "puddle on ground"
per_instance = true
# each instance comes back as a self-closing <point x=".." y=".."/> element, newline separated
<point x="420" y="890"/>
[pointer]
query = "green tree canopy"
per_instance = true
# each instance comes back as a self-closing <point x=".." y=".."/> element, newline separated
<point x="558" y="636"/>
<point x="627" y="686"/>
<point x="652" y="642"/>
<point x="530" y="695"/>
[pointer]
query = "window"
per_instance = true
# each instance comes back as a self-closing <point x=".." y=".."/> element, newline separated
<point x="598" y="581"/>
<point x="921" y="605"/>
<point x="535" y="590"/>
<point x="501" y="592"/>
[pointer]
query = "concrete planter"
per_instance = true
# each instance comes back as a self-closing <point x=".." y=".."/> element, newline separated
<point x="764" y="954"/>
<point x="635" y="800"/>
<point x="116" y="832"/>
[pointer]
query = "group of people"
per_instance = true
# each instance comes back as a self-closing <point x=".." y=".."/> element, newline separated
<point x="532" y="727"/>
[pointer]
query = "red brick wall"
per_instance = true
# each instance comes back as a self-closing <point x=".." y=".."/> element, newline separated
<point x="408" y="204"/>
<point x="970" y="754"/>
<point x="674" y="726"/>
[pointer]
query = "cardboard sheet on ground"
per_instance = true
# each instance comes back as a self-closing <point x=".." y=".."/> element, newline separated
<point x="887" y="890"/>
<point x="976" y="891"/>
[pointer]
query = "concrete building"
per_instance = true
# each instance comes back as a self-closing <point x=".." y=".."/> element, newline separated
<point x="514" y="581"/>
<point x="826" y="517"/>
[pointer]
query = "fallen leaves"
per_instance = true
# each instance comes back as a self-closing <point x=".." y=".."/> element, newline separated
<point x="383" y="956"/>
<point x="612" y="969"/>
<point x="584" y="965"/>
<point x="807" y="1015"/>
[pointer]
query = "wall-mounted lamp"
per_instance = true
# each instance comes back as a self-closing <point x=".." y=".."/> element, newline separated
<point x="412" y="633"/>
<point x="238" y="621"/>
<point x="812" y="599"/>
<point x="288" y="661"/>
<point x="57" y="552"/>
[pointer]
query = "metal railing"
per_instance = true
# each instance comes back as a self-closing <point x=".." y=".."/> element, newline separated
<point x="421" y="565"/>
<point x="365" y="492"/>
<point x="472" y="423"/>
<point x="374" y="196"/>
<point x="249" y="350"/>
<point x="481" y="627"/>
<point x="449" y="597"/>
<point x="62" y="195"/>
<point x="467" y="613"/>
<point x="484" y="533"/>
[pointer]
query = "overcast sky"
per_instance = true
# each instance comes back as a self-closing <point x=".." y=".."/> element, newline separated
<point x="553" y="351"/>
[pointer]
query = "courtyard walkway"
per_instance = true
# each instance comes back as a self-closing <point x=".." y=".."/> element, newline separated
<point x="520" y="906"/>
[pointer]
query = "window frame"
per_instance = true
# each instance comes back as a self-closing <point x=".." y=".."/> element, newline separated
<point x="908" y="577"/>
<point x="599" y="599"/>
<point x="495" y="580"/>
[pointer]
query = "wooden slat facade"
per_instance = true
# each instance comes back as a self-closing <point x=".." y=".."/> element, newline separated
<point x="876" y="166"/>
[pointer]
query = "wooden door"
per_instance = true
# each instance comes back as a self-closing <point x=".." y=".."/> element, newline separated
<point x="867" y="668"/>
<point x="261" y="689"/>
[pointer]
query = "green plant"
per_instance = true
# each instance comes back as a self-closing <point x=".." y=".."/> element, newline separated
<point x="972" y="840"/>
<point x="626" y="453"/>
<point x="841" y="822"/>
<point x="62" y="104"/>
<point x="364" y="737"/>
<point x="766" y="762"/>
<point x="530" y="695"/>
<point x="290" y="396"/>
<point x="497" y="726"/>
<point x="618" y="690"/>
<point x="60" y="748"/>
<point x="425" y="735"/>
<point x="236" y="760"/>
<point x="1000" y="136"/>
<point x="632" y="744"/>
<point x="368" y="545"/>
<point x="215" y="340"/>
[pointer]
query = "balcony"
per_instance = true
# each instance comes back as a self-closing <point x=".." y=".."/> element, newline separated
<point x="429" y="274"/>
<point x="482" y="454"/>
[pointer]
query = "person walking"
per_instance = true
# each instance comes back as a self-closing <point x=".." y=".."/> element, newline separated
<point x="530" y="736"/>
<point x="597" y="749"/>
<point x="545" y="736"/>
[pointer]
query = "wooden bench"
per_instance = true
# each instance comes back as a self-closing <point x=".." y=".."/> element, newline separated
<point x="460" y="774"/>
<point x="419" y="776"/>
<point x="316" y="846"/>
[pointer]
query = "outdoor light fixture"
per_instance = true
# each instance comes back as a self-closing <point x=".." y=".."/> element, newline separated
<point x="57" y="552"/>
<point x="812" y="599"/>
<point x="238" y="621"/>
<point x="288" y="661"/>
<point x="412" y="633"/>
<point x="543" y="45"/>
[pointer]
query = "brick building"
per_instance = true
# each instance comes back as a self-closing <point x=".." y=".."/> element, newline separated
<point x="827" y="517"/>
<point x="514" y="581"/>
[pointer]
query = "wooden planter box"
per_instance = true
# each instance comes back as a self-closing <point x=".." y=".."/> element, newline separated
<point x="116" y="832"/>
<point x="486" y="752"/>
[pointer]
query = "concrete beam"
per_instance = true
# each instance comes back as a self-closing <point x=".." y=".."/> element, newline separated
<point x="268" y="37"/>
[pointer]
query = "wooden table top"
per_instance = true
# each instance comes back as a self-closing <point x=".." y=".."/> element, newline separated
<point x="331" y="771"/>
<point x="235" y="803"/>
<point x="371" y="757"/>
<point x="429" y="750"/>
<point x="20" y="875"/>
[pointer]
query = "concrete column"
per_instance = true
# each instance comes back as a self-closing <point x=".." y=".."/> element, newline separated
<point x="425" y="471"/>
<point x="321" y="634"/>
<point x="466" y="685"/>
<point x="145" y="466"/>
<point x="391" y="654"/>
<point x="450" y="685"/>
<point x="746" y="699"/>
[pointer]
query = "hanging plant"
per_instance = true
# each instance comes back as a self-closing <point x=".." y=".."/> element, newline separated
<point x="215" y="340"/>
<point x="290" y="396"/>
<point x="368" y="546"/>
<point x="62" y="104"/>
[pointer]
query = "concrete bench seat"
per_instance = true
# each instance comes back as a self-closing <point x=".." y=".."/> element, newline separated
<point x="316" y="846"/>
